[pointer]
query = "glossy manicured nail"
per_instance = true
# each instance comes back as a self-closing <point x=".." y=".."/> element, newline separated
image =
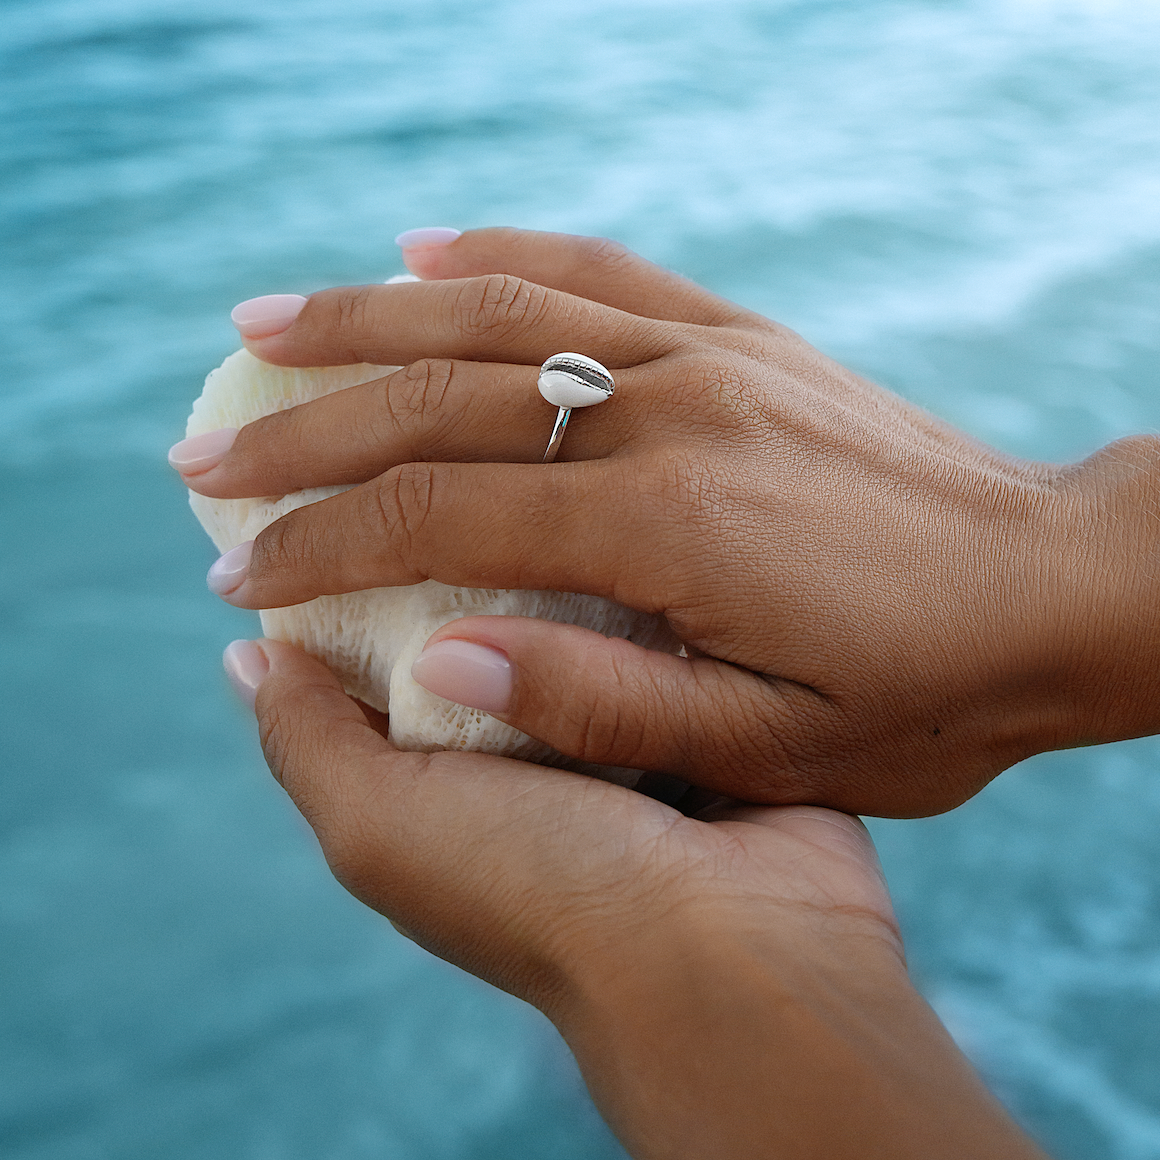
<point x="229" y="571"/>
<point x="266" y="316"/>
<point x="427" y="237"/>
<point x="199" y="453"/>
<point x="466" y="673"/>
<point x="246" y="666"/>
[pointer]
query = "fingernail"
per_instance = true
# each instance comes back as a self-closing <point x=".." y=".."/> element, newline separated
<point x="229" y="571"/>
<point x="427" y="237"/>
<point x="466" y="673"/>
<point x="199" y="453"/>
<point x="246" y="666"/>
<point x="266" y="316"/>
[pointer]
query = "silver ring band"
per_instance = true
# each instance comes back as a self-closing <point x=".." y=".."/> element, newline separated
<point x="569" y="381"/>
<point x="558" y="429"/>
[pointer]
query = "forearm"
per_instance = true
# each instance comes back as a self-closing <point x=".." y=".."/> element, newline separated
<point x="715" y="1046"/>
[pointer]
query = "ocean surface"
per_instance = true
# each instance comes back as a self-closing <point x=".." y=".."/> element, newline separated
<point x="961" y="199"/>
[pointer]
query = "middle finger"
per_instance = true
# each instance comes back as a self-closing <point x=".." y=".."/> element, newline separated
<point x="470" y="525"/>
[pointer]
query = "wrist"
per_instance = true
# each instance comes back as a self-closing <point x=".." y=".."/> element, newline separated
<point x="1110" y="592"/>
<point x="782" y="1033"/>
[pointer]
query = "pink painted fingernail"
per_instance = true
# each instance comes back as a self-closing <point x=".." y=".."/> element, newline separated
<point x="199" y="453"/>
<point x="266" y="316"/>
<point x="427" y="237"/>
<point x="466" y="673"/>
<point x="246" y="666"/>
<point x="229" y="571"/>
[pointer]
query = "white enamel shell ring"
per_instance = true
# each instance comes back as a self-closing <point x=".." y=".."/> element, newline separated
<point x="568" y="381"/>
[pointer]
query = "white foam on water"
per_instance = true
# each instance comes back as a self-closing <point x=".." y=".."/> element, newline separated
<point x="984" y="152"/>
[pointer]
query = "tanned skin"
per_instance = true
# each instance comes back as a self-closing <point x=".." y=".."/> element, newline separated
<point x="879" y="615"/>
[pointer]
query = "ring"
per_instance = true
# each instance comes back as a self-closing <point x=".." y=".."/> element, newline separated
<point x="568" y="381"/>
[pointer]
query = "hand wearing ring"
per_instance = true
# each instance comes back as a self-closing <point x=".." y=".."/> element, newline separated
<point x="880" y="613"/>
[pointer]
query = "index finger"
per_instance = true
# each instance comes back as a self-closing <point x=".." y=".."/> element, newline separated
<point x="491" y="318"/>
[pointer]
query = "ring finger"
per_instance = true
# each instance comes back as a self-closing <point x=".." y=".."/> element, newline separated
<point x="435" y="410"/>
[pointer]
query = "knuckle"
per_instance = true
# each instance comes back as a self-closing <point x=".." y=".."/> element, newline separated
<point x="277" y="739"/>
<point x="711" y="391"/>
<point x="495" y="306"/>
<point x="602" y="735"/>
<point x="355" y="312"/>
<point x="712" y="376"/>
<point x="293" y="754"/>
<point x="288" y="545"/>
<point x="405" y="498"/>
<point x="417" y="394"/>
<point x="609" y="727"/>
<point x="607" y="253"/>
<point x="759" y="345"/>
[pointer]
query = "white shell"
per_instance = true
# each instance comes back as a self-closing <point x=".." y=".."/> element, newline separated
<point x="565" y="390"/>
<point x="562" y="386"/>
<point x="370" y="638"/>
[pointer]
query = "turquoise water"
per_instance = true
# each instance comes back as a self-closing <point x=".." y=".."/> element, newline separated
<point x="962" y="199"/>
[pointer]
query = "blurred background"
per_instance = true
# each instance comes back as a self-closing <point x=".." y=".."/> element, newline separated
<point x="961" y="199"/>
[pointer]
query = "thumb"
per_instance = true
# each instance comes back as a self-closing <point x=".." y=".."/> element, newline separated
<point x="324" y="748"/>
<point x="611" y="702"/>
